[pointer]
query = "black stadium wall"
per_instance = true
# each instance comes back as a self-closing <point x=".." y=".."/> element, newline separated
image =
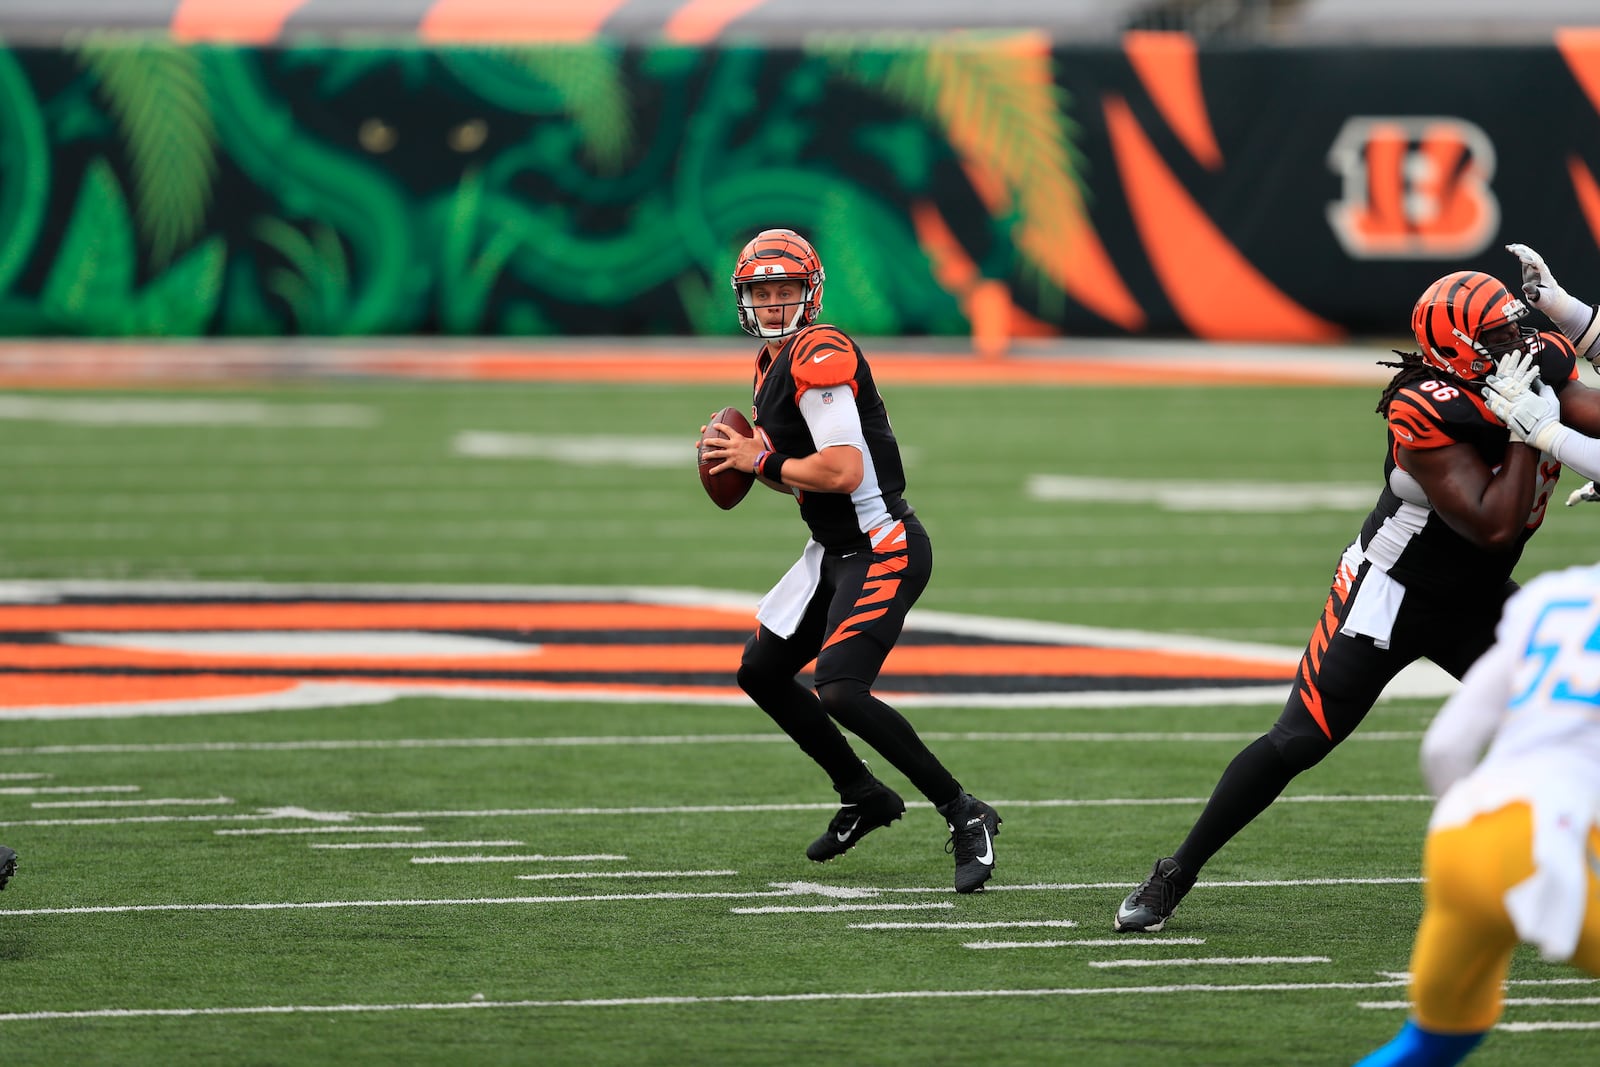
<point x="956" y="185"/>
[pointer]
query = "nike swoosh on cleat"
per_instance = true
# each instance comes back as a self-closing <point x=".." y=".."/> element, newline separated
<point x="987" y="859"/>
<point x="844" y="835"/>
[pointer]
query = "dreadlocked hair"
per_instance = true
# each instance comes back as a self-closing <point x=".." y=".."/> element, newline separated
<point x="1413" y="368"/>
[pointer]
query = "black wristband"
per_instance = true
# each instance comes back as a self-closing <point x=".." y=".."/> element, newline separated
<point x="772" y="467"/>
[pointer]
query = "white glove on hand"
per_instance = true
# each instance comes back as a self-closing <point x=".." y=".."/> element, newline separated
<point x="1579" y="496"/>
<point x="1538" y="284"/>
<point x="1515" y="376"/>
<point x="1533" y="417"/>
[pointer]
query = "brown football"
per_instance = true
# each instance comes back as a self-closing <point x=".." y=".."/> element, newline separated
<point x="729" y="487"/>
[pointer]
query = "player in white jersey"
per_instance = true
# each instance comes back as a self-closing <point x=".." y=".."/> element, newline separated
<point x="1513" y="848"/>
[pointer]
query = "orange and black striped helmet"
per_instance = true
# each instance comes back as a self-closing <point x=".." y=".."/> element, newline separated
<point x="773" y="256"/>
<point x="1460" y="323"/>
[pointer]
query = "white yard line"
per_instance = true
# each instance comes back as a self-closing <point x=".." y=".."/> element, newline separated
<point x="321" y="830"/>
<point x="1089" y="942"/>
<point x="21" y="777"/>
<point x="159" y="802"/>
<point x="1510" y="1002"/>
<point x="1019" y="924"/>
<point x="46" y="790"/>
<point x="571" y="875"/>
<point x="1212" y="961"/>
<point x="535" y="858"/>
<point x="319" y="905"/>
<point x="734" y="998"/>
<point x="702" y="809"/>
<point x="658" y="740"/>
<point x="813" y="909"/>
<point x="411" y="844"/>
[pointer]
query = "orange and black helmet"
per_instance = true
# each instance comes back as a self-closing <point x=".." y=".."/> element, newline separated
<point x="1461" y="323"/>
<point x="773" y="256"/>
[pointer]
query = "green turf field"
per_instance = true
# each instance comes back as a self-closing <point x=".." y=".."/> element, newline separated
<point x="161" y="923"/>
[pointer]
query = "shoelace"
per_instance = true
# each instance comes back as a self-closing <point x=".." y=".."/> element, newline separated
<point x="1154" y="893"/>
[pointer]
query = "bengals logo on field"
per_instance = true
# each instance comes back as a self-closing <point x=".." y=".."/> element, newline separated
<point x="74" y="650"/>
<point x="1414" y="187"/>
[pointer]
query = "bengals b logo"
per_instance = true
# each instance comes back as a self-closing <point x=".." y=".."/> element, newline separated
<point x="1414" y="187"/>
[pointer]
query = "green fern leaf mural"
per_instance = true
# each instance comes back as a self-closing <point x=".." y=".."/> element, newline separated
<point x="157" y="94"/>
<point x="584" y="82"/>
<point x="996" y="101"/>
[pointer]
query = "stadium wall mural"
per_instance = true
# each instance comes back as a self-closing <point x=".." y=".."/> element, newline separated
<point x="985" y="185"/>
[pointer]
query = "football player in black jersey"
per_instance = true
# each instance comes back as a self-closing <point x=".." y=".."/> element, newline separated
<point x="8" y="864"/>
<point x="822" y="435"/>
<point x="1480" y="422"/>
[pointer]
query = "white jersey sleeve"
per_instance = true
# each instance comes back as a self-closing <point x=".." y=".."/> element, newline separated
<point x="1459" y="734"/>
<point x="832" y="418"/>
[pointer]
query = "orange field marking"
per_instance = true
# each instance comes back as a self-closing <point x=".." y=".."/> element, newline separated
<point x="937" y="660"/>
<point x="432" y="615"/>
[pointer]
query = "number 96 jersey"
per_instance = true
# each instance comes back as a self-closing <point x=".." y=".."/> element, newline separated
<point x="1403" y="535"/>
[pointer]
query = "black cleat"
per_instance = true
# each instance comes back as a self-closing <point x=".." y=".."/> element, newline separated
<point x="1147" y="909"/>
<point x="8" y="864"/>
<point x="973" y="827"/>
<point x="877" y="806"/>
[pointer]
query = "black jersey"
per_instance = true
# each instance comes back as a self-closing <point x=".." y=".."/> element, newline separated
<point x="1403" y="535"/>
<point x="824" y="357"/>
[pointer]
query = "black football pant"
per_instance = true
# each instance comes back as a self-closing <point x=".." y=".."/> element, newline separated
<point x="1339" y="679"/>
<point x="853" y="620"/>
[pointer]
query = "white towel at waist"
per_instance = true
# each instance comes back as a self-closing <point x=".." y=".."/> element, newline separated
<point x="785" y="603"/>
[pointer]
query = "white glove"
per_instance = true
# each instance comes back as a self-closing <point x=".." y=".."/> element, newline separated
<point x="1579" y="496"/>
<point x="1577" y="321"/>
<point x="1538" y="284"/>
<point x="1515" y="376"/>
<point x="1533" y="418"/>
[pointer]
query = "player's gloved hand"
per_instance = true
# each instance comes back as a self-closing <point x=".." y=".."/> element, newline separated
<point x="1586" y="493"/>
<point x="1532" y="417"/>
<point x="1538" y="284"/>
<point x="1515" y="376"/>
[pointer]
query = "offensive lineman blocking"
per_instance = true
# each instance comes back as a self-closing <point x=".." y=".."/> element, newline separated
<point x="1471" y="459"/>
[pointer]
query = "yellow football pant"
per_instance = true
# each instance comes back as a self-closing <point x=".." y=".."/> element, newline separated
<point x="1464" y="945"/>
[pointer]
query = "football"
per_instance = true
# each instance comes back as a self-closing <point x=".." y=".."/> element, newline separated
<point x="729" y="487"/>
